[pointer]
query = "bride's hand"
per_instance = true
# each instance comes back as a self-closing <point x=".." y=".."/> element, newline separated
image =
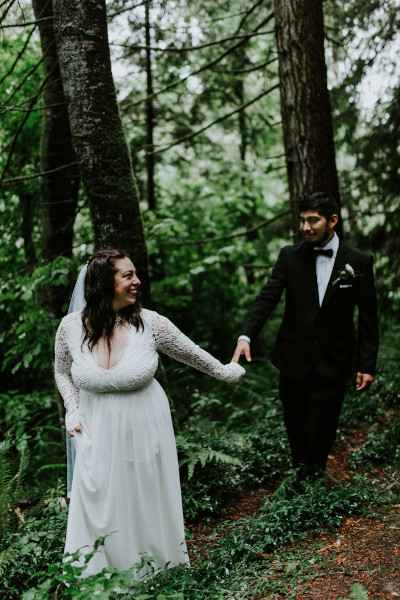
<point x="78" y="429"/>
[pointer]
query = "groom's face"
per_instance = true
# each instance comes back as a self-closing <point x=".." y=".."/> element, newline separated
<point x="317" y="231"/>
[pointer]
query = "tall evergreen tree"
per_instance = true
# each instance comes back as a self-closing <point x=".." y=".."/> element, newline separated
<point x="98" y="135"/>
<point x="305" y="103"/>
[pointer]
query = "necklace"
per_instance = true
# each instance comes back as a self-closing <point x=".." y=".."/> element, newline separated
<point x="118" y="321"/>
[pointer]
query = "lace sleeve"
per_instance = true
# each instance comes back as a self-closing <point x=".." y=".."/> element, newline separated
<point x="67" y="388"/>
<point x="171" y="341"/>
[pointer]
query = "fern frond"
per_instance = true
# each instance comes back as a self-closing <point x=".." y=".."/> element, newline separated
<point x="5" y="556"/>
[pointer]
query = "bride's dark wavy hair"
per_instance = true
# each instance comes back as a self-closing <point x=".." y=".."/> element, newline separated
<point x="98" y="317"/>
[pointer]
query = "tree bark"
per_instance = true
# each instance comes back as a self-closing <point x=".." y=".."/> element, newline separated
<point x="99" y="140"/>
<point x="59" y="189"/>
<point x="151" y="199"/>
<point x="305" y="103"/>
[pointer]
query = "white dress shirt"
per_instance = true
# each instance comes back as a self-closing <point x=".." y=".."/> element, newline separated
<point x="324" y="266"/>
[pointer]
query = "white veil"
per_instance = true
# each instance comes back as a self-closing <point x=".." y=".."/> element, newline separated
<point x="77" y="303"/>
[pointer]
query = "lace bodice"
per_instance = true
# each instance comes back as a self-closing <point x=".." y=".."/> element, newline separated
<point x="76" y="366"/>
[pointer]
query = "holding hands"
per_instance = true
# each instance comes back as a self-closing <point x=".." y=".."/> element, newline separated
<point x="242" y="348"/>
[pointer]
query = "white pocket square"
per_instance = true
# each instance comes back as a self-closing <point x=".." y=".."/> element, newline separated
<point x="345" y="286"/>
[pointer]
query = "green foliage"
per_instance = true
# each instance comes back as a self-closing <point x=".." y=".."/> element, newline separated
<point x="10" y="487"/>
<point x="241" y="563"/>
<point x="384" y="392"/>
<point x="358" y="592"/>
<point x="34" y="422"/>
<point x="28" y="328"/>
<point x="380" y="448"/>
<point x="193" y="455"/>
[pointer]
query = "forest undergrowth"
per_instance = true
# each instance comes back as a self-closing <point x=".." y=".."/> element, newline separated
<point x="232" y="448"/>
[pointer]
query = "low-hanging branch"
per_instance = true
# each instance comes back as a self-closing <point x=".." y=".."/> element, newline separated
<point x="249" y="69"/>
<point x="120" y="11"/>
<point x="193" y="134"/>
<point x="27" y="100"/>
<point x="27" y="23"/>
<point x="7" y="9"/>
<point x="229" y="236"/>
<point x="19" y="55"/>
<point x="200" y="69"/>
<point x="19" y="109"/>
<point x="191" y="48"/>
<point x="22" y="124"/>
<point x="38" y="175"/>
<point x="247" y="14"/>
<point x="24" y="79"/>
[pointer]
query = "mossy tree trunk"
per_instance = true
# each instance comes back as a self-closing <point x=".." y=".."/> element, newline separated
<point x="59" y="189"/>
<point x="99" y="139"/>
<point x="305" y="102"/>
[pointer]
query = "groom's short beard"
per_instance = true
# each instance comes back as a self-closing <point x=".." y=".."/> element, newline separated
<point x="322" y="240"/>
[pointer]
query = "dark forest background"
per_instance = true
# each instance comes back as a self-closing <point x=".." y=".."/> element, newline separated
<point x="184" y="133"/>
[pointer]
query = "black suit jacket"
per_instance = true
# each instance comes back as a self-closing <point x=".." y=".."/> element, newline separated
<point x="320" y="337"/>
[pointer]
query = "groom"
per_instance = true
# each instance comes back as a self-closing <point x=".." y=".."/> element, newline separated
<point x="324" y="281"/>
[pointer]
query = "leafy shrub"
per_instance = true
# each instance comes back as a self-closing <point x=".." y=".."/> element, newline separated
<point x="380" y="448"/>
<point x="34" y="422"/>
<point x="366" y="405"/>
<point x="241" y="561"/>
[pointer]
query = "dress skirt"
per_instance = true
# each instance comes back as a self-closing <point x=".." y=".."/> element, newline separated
<point x="126" y="482"/>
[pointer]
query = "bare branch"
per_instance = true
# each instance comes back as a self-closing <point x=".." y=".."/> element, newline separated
<point x="38" y="175"/>
<point x="203" y="68"/>
<point x="127" y="9"/>
<point x="230" y="236"/>
<point x="10" y="4"/>
<point x="247" y="14"/>
<point x="26" y="23"/>
<point x="19" y="109"/>
<point x="191" y="48"/>
<point x="19" y="55"/>
<point x="249" y="69"/>
<point x="24" y="79"/>
<point x="193" y="134"/>
<point x="22" y="124"/>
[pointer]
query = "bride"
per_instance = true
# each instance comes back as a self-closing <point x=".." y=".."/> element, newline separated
<point x="126" y="478"/>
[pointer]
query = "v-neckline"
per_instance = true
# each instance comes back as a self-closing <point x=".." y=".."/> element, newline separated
<point x="119" y="357"/>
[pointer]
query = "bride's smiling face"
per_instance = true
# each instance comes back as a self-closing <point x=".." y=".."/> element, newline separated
<point x="126" y="284"/>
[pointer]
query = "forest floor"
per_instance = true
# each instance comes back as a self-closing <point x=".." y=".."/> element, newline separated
<point x="363" y="550"/>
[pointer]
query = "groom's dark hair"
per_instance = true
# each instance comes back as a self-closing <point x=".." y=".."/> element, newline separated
<point x="322" y="202"/>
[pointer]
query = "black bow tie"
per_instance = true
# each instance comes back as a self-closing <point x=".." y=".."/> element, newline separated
<point x="322" y="252"/>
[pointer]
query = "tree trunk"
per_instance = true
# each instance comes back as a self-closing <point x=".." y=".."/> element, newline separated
<point x="305" y="103"/>
<point x="59" y="189"/>
<point x="26" y="202"/>
<point x="99" y="140"/>
<point x="151" y="200"/>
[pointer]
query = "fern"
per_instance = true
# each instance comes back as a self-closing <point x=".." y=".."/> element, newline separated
<point x="357" y="592"/>
<point x="10" y="486"/>
<point x="195" y="455"/>
<point x="7" y="555"/>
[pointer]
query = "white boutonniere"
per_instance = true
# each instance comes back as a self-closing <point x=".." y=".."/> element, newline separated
<point x="345" y="274"/>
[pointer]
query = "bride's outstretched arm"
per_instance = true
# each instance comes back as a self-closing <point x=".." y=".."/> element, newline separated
<point x="171" y="341"/>
<point x="67" y="388"/>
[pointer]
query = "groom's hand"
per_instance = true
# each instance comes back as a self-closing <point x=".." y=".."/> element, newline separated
<point x="242" y="349"/>
<point x="363" y="380"/>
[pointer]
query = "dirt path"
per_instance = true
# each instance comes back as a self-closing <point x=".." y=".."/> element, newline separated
<point x="363" y="550"/>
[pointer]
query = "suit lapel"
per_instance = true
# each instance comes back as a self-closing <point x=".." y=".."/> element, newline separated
<point x="340" y="262"/>
<point x="309" y="261"/>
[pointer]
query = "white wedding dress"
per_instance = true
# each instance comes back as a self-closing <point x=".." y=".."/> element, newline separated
<point x="126" y="479"/>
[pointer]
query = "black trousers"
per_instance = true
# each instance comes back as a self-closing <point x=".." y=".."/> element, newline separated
<point x="311" y="412"/>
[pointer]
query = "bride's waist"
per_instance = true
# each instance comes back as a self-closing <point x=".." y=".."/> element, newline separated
<point x="112" y="392"/>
